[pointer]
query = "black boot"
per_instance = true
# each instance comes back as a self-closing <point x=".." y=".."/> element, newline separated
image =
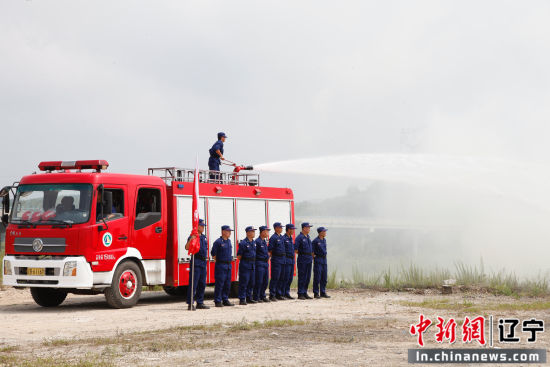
<point x="307" y="296"/>
<point x="316" y="296"/>
<point x="272" y="299"/>
<point x="280" y="298"/>
<point x="288" y="296"/>
<point x="242" y="302"/>
<point x="250" y="300"/>
<point x="324" y="295"/>
<point x="218" y="304"/>
<point x="227" y="303"/>
<point x="301" y="296"/>
<point x="202" y="306"/>
<point x="265" y="300"/>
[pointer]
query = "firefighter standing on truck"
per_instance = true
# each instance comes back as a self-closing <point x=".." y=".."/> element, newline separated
<point x="199" y="277"/>
<point x="222" y="254"/>
<point x="304" y="249"/>
<point x="216" y="156"/>
<point x="320" y="264"/>
<point x="262" y="266"/>
<point x="247" y="261"/>
<point x="289" y="263"/>
<point x="277" y="252"/>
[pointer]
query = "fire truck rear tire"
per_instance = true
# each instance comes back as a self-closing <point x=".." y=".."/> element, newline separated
<point x="48" y="297"/>
<point x="180" y="291"/>
<point x="125" y="289"/>
<point x="234" y="291"/>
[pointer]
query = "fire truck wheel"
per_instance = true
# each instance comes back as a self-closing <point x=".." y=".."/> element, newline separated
<point x="48" y="297"/>
<point x="125" y="289"/>
<point x="234" y="291"/>
<point x="180" y="291"/>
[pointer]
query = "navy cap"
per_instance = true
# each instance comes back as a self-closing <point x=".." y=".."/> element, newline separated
<point x="277" y="224"/>
<point x="263" y="228"/>
<point x="221" y="135"/>
<point x="201" y="222"/>
<point x="226" y="228"/>
<point x="306" y="224"/>
<point x="290" y="226"/>
<point x="249" y="228"/>
<point x="321" y="229"/>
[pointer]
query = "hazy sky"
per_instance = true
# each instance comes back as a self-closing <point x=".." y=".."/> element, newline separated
<point x="151" y="83"/>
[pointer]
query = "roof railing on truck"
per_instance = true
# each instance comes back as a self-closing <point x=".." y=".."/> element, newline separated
<point x="175" y="174"/>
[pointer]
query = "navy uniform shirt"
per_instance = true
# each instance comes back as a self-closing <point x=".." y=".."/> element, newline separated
<point x="217" y="146"/>
<point x="320" y="250"/>
<point x="277" y="248"/>
<point x="222" y="250"/>
<point x="247" y="249"/>
<point x="304" y="247"/>
<point x="261" y="250"/>
<point x="289" y="249"/>
<point x="203" y="251"/>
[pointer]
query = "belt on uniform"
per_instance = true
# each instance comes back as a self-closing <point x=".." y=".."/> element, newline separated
<point x="279" y="255"/>
<point x="304" y="253"/>
<point x="290" y="256"/>
<point x="262" y="259"/>
<point x="223" y="262"/>
<point x="249" y="258"/>
<point x="196" y="256"/>
<point x="321" y="256"/>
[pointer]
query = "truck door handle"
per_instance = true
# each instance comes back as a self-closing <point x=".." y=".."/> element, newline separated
<point x="123" y="237"/>
<point x="158" y="229"/>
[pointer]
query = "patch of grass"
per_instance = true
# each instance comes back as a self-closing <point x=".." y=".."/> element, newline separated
<point x="59" y="342"/>
<point x="466" y="276"/>
<point x="244" y="325"/>
<point x="9" y="348"/>
<point x="467" y="306"/>
<point x="88" y="361"/>
<point x="331" y="280"/>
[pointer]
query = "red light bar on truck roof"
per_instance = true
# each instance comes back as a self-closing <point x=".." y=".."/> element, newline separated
<point x="96" y="164"/>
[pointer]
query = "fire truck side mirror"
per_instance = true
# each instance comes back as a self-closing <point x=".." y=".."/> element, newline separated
<point x="5" y="208"/>
<point x="5" y="219"/>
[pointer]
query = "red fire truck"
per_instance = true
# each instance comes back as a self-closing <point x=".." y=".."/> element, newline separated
<point x="75" y="229"/>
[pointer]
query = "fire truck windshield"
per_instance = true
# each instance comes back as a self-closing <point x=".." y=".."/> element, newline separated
<point x="52" y="204"/>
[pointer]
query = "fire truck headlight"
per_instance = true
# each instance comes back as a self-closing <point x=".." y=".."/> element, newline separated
<point x="69" y="270"/>
<point x="7" y="267"/>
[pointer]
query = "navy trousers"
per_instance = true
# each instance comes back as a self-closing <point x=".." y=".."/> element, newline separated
<point x="214" y="165"/>
<point x="304" y="277"/>
<point x="246" y="280"/>
<point x="222" y="275"/>
<point x="261" y="280"/>
<point x="289" y="273"/>
<point x="199" y="283"/>
<point x="319" y="278"/>
<point x="277" y="272"/>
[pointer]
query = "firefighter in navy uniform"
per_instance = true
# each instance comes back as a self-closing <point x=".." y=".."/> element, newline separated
<point x="247" y="262"/>
<point x="222" y="253"/>
<point x="289" y="264"/>
<point x="320" y="264"/>
<point x="199" y="278"/>
<point x="304" y="249"/>
<point x="216" y="156"/>
<point x="262" y="266"/>
<point x="277" y="251"/>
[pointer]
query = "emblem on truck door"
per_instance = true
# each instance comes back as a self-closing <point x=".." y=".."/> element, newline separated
<point x="107" y="239"/>
<point x="37" y="245"/>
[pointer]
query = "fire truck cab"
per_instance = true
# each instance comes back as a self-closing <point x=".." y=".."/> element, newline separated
<point x="74" y="228"/>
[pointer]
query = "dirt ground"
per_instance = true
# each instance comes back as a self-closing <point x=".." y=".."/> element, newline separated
<point x="353" y="328"/>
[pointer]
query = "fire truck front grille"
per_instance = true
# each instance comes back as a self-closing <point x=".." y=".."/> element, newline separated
<point x="55" y="245"/>
<point x="36" y="281"/>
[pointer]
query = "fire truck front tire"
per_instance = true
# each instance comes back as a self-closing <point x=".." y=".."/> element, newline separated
<point x="125" y="289"/>
<point x="48" y="297"/>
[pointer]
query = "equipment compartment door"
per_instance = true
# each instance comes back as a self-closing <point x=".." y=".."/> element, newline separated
<point x="185" y="223"/>
<point x="221" y="212"/>
<point x="279" y="211"/>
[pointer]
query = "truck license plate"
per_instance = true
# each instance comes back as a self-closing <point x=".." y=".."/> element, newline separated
<point x="36" y="271"/>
